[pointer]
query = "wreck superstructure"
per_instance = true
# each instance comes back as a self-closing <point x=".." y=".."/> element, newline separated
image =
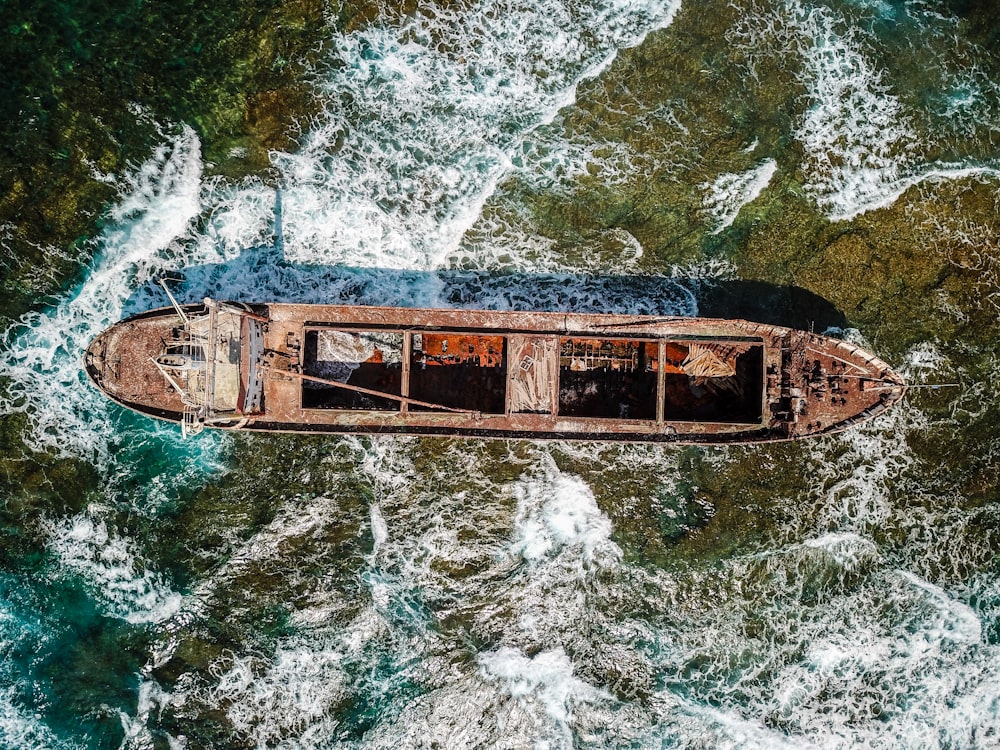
<point x="360" y="369"/>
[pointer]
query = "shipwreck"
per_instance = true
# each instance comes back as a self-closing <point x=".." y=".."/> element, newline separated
<point x="501" y="374"/>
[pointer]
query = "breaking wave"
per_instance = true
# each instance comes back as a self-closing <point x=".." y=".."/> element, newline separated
<point x="43" y="356"/>
<point x="862" y="144"/>
<point x="126" y="587"/>
<point x="731" y="192"/>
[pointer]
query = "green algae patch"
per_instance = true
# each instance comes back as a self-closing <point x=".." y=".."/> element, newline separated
<point x="35" y="487"/>
<point x="87" y="86"/>
<point x="647" y="140"/>
<point x="917" y="271"/>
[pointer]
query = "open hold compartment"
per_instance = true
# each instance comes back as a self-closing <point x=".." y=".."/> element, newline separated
<point x="713" y="381"/>
<point x="458" y="370"/>
<point x="352" y="363"/>
<point x="610" y="378"/>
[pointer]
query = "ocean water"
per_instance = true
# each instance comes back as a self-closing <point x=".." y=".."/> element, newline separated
<point x="828" y="163"/>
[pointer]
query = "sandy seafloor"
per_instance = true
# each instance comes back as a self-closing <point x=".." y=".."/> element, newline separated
<point x="815" y="163"/>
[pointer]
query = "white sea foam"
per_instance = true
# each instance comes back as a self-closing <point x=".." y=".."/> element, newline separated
<point x="546" y="677"/>
<point x="43" y="360"/>
<point x="393" y="635"/>
<point x="855" y="133"/>
<point x="152" y="699"/>
<point x="885" y="193"/>
<point x="724" y="730"/>
<point x="556" y="513"/>
<point x="837" y="654"/>
<point x="505" y="696"/>
<point x="293" y="696"/>
<point x="286" y="696"/>
<point x="916" y="664"/>
<point x="289" y="695"/>
<point x="925" y="358"/>
<point x="969" y="98"/>
<point x="380" y="532"/>
<point x="731" y="192"/>
<point x="20" y="725"/>
<point x="424" y="119"/>
<point x="953" y="620"/>
<point x="112" y="571"/>
<point x="891" y="653"/>
<point x="848" y="551"/>
<point x="857" y="483"/>
<point x="861" y="143"/>
<point x="826" y="622"/>
<point x="21" y="729"/>
<point x="286" y="699"/>
<point x="959" y="92"/>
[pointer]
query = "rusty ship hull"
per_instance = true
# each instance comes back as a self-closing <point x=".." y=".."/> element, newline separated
<point x="501" y="374"/>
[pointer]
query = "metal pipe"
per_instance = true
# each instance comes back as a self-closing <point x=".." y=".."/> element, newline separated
<point x="173" y="302"/>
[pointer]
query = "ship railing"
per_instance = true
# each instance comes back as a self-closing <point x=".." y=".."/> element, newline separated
<point x="192" y="421"/>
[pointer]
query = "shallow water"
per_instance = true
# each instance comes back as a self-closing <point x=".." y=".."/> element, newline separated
<point x="833" y="159"/>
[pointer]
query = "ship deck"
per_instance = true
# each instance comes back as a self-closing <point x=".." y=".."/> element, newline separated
<point x="333" y="368"/>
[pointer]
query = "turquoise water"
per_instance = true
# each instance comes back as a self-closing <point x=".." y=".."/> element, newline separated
<point x="813" y="163"/>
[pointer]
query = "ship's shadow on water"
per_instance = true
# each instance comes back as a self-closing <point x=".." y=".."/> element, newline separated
<point x="264" y="275"/>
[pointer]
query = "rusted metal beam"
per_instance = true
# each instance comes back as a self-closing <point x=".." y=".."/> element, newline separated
<point x="370" y="391"/>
